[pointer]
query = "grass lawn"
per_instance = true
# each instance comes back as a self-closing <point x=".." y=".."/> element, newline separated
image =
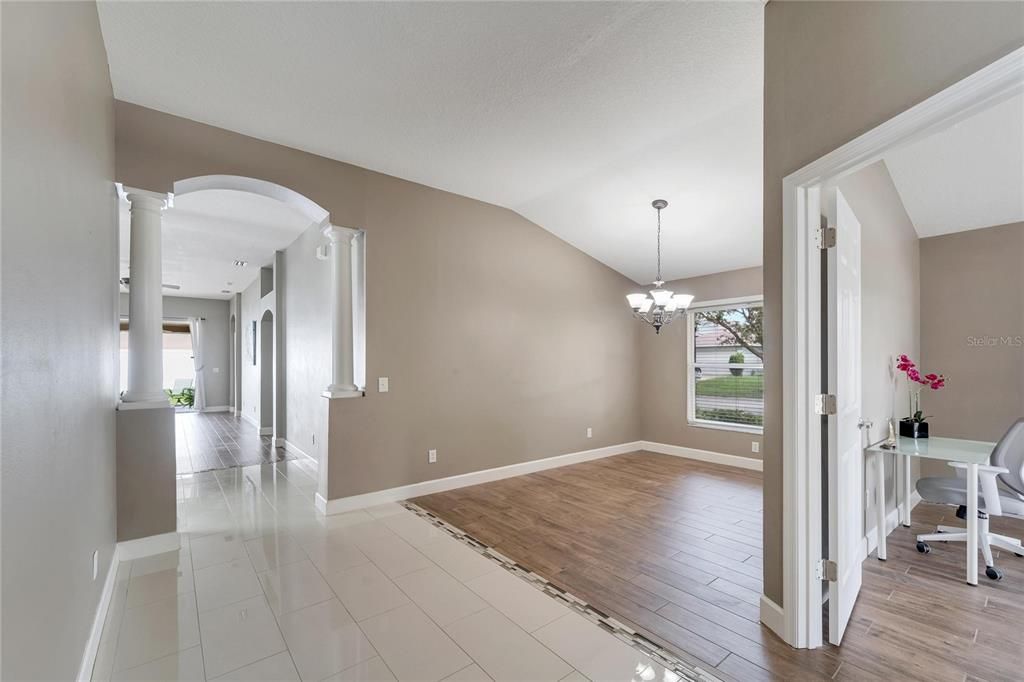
<point x="732" y="387"/>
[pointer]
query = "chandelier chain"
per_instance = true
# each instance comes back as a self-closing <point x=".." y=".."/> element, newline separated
<point x="659" y="244"/>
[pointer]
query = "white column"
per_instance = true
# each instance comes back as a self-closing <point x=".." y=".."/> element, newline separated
<point x="342" y="381"/>
<point x="145" y="301"/>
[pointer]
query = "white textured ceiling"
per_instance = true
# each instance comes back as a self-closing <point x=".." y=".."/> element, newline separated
<point x="576" y="115"/>
<point x="965" y="177"/>
<point x="206" y="231"/>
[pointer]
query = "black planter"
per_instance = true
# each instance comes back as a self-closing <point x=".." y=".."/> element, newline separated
<point x="912" y="429"/>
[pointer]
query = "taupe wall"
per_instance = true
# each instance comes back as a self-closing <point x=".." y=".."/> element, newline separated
<point x="890" y="308"/>
<point x="502" y="343"/>
<point x="216" y="342"/>
<point x="662" y="371"/>
<point x="972" y="330"/>
<point x="59" y="321"/>
<point x="834" y="70"/>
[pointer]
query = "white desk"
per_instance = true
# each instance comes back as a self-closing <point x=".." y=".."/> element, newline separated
<point x="969" y="452"/>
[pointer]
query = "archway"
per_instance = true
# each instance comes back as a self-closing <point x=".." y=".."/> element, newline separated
<point x="266" y="365"/>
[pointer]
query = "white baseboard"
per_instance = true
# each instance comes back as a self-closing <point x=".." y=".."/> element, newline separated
<point x="892" y="520"/>
<point x="154" y="544"/>
<point x="773" y="617"/>
<point x="217" y="408"/>
<point x="92" y="645"/>
<point x="437" y="485"/>
<point x="123" y="551"/>
<point x="295" y="449"/>
<point x="703" y="455"/>
<point x="266" y="430"/>
<point x="278" y="442"/>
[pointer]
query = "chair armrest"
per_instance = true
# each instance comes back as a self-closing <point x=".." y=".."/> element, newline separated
<point x="987" y="480"/>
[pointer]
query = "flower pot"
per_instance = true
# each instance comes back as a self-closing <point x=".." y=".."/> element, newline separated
<point x="912" y="429"/>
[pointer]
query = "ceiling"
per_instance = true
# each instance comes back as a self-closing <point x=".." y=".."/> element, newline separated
<point x="968" y="176"/>
<point x="575" y="115"/>
<point x="206" y="231"/>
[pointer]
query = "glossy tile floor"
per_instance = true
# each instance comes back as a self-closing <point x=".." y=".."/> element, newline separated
<point x="205" y="441"/>
<point x="265" y="589"/>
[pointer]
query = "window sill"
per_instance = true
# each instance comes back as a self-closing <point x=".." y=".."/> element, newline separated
<point x="722" y="426"/>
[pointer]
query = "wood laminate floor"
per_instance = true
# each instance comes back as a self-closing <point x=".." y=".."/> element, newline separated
<point x="673" y="547"/>
<point x="219" y="440"/>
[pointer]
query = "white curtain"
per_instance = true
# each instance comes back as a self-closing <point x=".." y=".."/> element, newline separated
<point x="195" y="327"/>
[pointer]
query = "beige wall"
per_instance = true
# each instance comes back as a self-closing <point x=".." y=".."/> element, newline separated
<point x="890" y="308"/>
<point x="662" y="371"/>
<point x="972" y="330"/>
<point x="59" y="321"/>
<point x="502" y="342"/>
<point x="834" y="70"/>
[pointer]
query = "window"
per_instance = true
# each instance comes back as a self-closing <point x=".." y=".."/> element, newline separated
<point x="726" y="366"/>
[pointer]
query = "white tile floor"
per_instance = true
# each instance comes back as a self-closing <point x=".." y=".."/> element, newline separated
<point x="263" y="588"/>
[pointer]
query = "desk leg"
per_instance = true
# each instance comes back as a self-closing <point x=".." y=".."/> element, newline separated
<point x="972" y="524"/>
<point x="906" y="491"/>
<point x="879" y="461"/>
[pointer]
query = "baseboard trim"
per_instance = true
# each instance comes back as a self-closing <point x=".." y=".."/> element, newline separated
<point x="278" y="442"/>
<point x="773" y="617"/>
<point x="92" y="645"/>
<point x="123" y="551"/>
<point x="703" y="455"/>
<point x="892" y="520"/>
<point x="153" y="544"/>
<point x="266" y="430"/>
<point x="217" y="408"/>
<point x="437" y="485"/>
<point x="295" y="449"/>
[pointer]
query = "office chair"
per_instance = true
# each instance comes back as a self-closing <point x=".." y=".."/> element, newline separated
<point x="1007" y="466"/>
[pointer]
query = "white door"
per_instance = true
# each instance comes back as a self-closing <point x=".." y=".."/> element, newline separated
<point x="845" y="449"/>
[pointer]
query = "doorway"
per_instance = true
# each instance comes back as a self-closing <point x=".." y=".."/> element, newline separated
<point x="266" y="353"/>
<point x="818" y="546"/>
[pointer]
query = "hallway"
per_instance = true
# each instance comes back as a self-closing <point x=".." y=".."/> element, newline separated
<point x="219" y="440"/>
<point x="265" y="588"/>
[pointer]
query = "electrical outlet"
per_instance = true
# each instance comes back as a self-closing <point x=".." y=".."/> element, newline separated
<point x="431" y="456"/>
<point x="590" y="432"/>
<point x="382" y="384"/>
<point x="95" y="563"/>
<point x="755" y="446"/>
<point x="216" y="370"/>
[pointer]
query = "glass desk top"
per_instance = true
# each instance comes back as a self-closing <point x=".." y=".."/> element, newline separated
<point x="945" y="449"/>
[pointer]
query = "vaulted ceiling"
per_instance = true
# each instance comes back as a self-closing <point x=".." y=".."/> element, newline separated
<point x="575" y="115"/>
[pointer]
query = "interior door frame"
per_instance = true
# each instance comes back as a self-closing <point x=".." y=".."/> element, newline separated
<point x="804" y="193"/>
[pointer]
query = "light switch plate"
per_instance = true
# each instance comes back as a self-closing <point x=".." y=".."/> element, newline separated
<point x="755" y="446"/>
<point x="382" y="384"/>
<point x="431" y="456"/>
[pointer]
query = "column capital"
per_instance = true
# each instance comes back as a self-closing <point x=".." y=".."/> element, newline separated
<point x="336" y="233"/>
<point x="147" y="201"/>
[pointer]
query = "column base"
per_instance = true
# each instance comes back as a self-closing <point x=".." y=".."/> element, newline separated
<point x="144" y="404"/>
<point x="332" y="392"/>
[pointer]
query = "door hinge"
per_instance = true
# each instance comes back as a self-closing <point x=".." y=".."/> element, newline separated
<point x="826" y="237"/>
<point x="827" y="570"/>
<point x="825" y="403"/>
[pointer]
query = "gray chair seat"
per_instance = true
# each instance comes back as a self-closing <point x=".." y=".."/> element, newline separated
<point x="954" y="491"/>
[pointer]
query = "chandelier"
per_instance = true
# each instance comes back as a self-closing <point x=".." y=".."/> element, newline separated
<point x="662" y="306"/>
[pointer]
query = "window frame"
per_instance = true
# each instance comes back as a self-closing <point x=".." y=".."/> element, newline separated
<point x="691" y="361"/>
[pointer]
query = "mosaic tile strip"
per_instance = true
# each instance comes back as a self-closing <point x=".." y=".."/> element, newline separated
<point x="684" y="669"/>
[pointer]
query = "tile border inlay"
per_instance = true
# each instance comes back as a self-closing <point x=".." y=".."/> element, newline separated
<point x="686" y="670"/>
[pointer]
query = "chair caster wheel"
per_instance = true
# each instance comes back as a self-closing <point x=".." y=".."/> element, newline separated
<point x="993" y="573"/>
<point x="924" y="548"/>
